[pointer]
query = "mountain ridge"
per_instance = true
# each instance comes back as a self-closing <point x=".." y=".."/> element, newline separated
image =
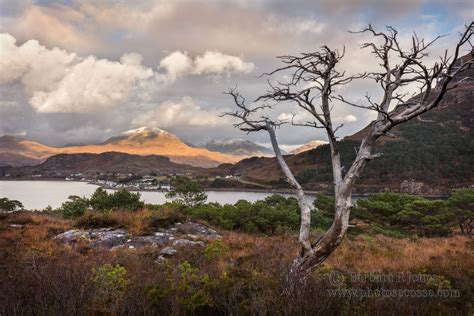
<point x="88" y="164"/>
<point x="430" y="156"/>
<point x="308" y="146"/>
<point x="238" y="147"/>
<point x="15" y="151"/>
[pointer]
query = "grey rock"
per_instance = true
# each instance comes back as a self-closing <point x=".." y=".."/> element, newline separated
<point x="104" y="233"/>
<point x="16" y="226"/>
<point x="187" y="243"/>
<point x="72" y="236"/>
<point x="152" y="240"/>
<point x="108" y="238"/>
<point x="160" y="260"/>
<point x="181" y="235"/>
<point x="191" y="228"/>
<point x="168" y="251"/>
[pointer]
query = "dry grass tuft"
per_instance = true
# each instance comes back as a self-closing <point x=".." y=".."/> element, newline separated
<point x="447" y="255"/>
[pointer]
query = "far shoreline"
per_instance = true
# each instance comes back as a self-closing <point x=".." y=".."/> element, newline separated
<point x="250" y="190"/>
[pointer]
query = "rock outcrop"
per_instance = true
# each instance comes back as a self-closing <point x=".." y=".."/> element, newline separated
<point x="180" y="235"/>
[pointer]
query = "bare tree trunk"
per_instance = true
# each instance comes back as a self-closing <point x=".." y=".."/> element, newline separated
<point x="305" y="225"/>
<point x="313" y="255"/>
<point x="331" y="240"/>
<point x="327" y="243"/>
<point x="336" y="165"/>
<point x="319" y="69"/>
<point x="330" y="131"/>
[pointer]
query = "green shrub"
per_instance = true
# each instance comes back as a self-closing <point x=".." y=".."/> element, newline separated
<point x="110" y="283"/>
<point x="101" y="201"/>
<point x="215" y="250"/>
<point x="191" y="288"/>
<point x="7" y="205"/>
<point x="75" y="207"/>
<point x="395" y="215"/>
<point x="381" y="206"/>
<point x="119" y="200"/>
<point x="187" y="192"/>
<point x="275" y="214"/>
<point x="165" y="216"/>
<point x="462" y="204"/>
<point x="194" y="290"/>
<point x="125" y="200"/>
<point x="92" y="219"/>
<point x="323" y="214"/>
<point x="389" y="231"/>
<point x="324" y="203"/>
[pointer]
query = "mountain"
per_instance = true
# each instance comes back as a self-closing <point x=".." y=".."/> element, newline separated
<point x="62" y="165"/>
<point x="239" y="148"/>
<point x="308" y="146"/>
<point x="142" y="141"/>
<point x="16" y="151"/>
<point x="430" y="156"/>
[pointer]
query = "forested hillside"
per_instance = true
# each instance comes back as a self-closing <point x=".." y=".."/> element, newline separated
<point x="428" y="156"/>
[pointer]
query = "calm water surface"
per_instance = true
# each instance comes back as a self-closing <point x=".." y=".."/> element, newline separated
<point x="39" y="194"/>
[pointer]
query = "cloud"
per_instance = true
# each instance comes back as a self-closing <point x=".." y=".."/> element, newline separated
<point x="195" y="42"/>
<point x="176" y="64"/>
<point x="185" y="112"/>
<point x="29" y="60"/>
<point x="58" y="81"/>
<point x="179" y="63"/>
<point x="53" y="25"/>
<point x="91" y="84"/>
<point x="350" y="119"/>
<point x="92" y="27"/>
<point x="214" y="62"/>
<point x="131" y="59"/>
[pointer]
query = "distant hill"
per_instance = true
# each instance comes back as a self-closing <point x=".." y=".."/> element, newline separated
<point x="16" y="151"/>
<point x="239" y="147"/>
<point x="62" y="165"/>
<point x="308" y="146"/>
<point x="425" y="158"/>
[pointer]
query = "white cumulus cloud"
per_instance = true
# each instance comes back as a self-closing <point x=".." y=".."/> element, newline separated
<point x="214" y="62"/>
<point x="185" y="112"/>
<point x="90" y="84"/>
<point x="31" y="62"/>
<point x="176" y="64"/>
<point x="350" y="118"/>
<point x="57" y="81"/>
<point x="179" y="63"/>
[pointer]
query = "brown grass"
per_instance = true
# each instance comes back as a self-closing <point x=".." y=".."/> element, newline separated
<point x="40" y="276"/>
<point x="382" y="253"/>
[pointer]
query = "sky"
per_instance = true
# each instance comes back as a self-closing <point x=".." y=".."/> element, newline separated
<point x="76" y="72"/>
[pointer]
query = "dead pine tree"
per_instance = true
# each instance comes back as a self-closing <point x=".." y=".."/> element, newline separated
<point x="314" y="78"/>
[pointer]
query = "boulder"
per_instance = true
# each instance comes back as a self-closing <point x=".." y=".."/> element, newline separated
<point x="160" y="259"/>
<point x="181" y="235"/>
<point x="187" y="243"/>
<point x="72" y="236"/>
<point x="153" y="240"/>
<point x="107" y="237"/>
<point x="168" y="251"/>
<point x="200" y="230"/>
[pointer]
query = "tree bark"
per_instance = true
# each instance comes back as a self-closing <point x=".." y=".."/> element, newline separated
<point x="319" y="69"/>
<point x="305" y="222"/>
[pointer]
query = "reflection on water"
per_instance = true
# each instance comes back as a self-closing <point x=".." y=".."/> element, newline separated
<point x="39" y="194"/>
